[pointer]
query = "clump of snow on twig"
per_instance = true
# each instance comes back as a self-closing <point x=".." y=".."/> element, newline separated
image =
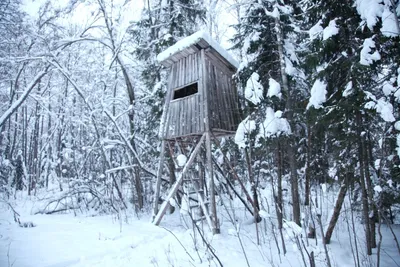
<point x="316" y="30"/>
<point x="372" y="10"/>
<point x="369" y="11"/>
<point x="366" y="55"/>
<point x="181" y="160"/>
<point x="254" y="90"/>
<point x="244" y="130"/>
<point x="348" y="90"/>
<point x="377" y="188"/>
<point x="383" y="107"/>
<point x="318" y="94"/>
<point x="274" y="88"/>
<point x="331" y="30"/>
<point x="274" y="124"/>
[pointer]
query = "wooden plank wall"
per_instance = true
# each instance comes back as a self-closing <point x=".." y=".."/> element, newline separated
<point x="186" y="71"/>
<point x="223" y="96"/>
<point x="185" y="115"/>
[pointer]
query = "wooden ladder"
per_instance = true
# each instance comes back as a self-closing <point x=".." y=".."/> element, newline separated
<point x="174" y="189"/>
<point x="201" y="206"/>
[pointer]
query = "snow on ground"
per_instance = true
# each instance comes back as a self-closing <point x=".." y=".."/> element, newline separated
<point x="67" y="240"/>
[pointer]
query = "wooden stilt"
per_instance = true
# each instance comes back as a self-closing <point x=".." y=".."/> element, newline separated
<point x="159" y="176"/>
<point x="175" y="187"/>
<point x="215" y="225"/>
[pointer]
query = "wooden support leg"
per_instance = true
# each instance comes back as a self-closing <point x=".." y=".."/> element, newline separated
<point x="175" y="187"/>
<point x="159" y="176"/>
<point x="215" y="228"/>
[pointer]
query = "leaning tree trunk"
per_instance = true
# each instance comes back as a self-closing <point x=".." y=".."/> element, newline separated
<point x="7" y="114"/>
<point x="336" y="213"/>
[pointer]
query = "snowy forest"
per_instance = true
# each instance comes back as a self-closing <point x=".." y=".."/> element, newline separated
<point x="310" y="176"/>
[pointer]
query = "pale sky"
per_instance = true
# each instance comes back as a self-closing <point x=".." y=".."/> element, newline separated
<point x="131" y="11"/>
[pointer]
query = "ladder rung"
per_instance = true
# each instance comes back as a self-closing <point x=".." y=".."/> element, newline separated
<point x="191" y="180"/>
<point x="195" y="192"/>
<point x="202" y="218"/>
<point x="194" y="206"/>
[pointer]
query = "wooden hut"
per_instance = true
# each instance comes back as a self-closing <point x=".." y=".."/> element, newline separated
<point x="201" y="95"/>
<point x="201" y="104"/>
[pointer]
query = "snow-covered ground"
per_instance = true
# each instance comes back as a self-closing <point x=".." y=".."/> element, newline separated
<point x="84" y="240"/>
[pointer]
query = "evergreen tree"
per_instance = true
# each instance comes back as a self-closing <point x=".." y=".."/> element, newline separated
<point x="270" y="37"/>
<point x="346" y="62"/>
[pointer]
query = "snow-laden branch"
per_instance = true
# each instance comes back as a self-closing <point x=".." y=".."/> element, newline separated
<point x="66" y="75"/>
<point x="67" y="42"/>
<point x="127" y="143"/>
<point x="24" y="95"/>
<point x="60" y="68"/>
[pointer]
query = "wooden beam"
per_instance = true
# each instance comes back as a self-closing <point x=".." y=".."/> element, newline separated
<point x="159" y="175"/>
<point x="215" y="224"/>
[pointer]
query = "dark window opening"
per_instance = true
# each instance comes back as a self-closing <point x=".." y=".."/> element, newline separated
<point x="186" y="91"/>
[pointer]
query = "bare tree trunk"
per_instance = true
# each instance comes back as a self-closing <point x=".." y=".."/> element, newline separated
<point x="396" y="17"/>
<point x="215" y="222"/>
<point x="254" y="186"/>
<point x="27" y="175"/>
<point x="324" y="241"/>
<point x="336" y="213"/>
<point x="308" y="170"/>
<point x="172" y="176"/>
<point x="373" y="210"/>
<point x="50" y="148"/>
<point x="363" y="185"/>
<point x="34" y="168"/>
<point x="279" y="198"/>
<point x="130" y="90"/>
<point x="289" y="115"/>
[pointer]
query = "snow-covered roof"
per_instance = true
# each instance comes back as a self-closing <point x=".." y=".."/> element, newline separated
<point x="191" y="44"/>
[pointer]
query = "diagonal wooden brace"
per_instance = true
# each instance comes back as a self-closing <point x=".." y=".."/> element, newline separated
<point x="175" y="187"/>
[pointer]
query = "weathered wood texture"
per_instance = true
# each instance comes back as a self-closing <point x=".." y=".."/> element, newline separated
<point x="222" y="96"/>
<point x="187" y="116"/>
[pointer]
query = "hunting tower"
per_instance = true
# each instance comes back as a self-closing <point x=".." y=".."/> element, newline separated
<point x="201" y="104"/>
<point x="201" y="93"/>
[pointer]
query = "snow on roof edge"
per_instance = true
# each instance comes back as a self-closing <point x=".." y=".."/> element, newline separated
<point x="194" y="39"/>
